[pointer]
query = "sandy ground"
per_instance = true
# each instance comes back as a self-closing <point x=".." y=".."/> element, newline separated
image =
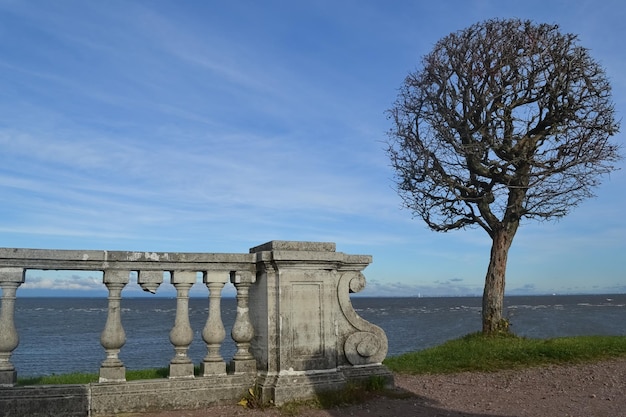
<point x="590" y="390"/>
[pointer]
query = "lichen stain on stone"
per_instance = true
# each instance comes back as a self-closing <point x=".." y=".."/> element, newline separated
<point x="149" y="256"/>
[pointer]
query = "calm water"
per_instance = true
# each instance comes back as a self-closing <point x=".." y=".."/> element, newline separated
<point x="59" y="335"/>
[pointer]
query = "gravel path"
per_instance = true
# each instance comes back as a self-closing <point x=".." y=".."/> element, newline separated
<point x="590" y="390"/>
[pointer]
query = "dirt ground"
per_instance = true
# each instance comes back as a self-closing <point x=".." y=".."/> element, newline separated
<point x="590" y="390"/>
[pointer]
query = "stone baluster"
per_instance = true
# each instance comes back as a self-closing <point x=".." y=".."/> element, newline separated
<point x="181" y="334"/>
<point x="242" y="333"/>
<point x="149" y="281"/>
<point x="214" y="332"/>
<point x="113" y="336"/>
<point x="10" y="280"/>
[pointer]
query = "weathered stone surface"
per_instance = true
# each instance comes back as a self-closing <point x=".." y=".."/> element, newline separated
<point x="8" y="377"/>
<point x="181" y="334"/>
<point x="168" y="394"/>
<point x="10" y="279"/>
<point x="214" y="331"/>
<point x="112" y="374"/>
<point x="95" y="260"/>
<point x="150" y="280"/>
<point x="296" y="331"/>
<point x="113" y="336"/>
<point x="286" y="245"/>
<point x="306" y="331"/>
<point x="292" y="385"/>
<point x="45" y="401"/>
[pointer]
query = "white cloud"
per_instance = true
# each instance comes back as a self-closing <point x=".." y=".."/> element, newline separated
<point x="192" y="127"/>
<point x="62" y="282"/>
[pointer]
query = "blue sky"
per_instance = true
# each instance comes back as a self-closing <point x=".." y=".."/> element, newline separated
<point x="207" y="126"/>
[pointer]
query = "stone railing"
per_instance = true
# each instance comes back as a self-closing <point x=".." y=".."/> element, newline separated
<point x="295" y="330"/>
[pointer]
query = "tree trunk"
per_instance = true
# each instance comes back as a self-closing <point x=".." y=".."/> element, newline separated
<point x="493" y="296"/>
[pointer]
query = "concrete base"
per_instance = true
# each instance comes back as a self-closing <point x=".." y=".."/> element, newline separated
<point x="213" y="368"/>
<point x="181" y="370"/>
<point x="8" y="378"/>
<point x="117" y="374"/>
<point x="45" y="401"/>
<point x="287" y="387"/>
<point x="167" y="394"/>
<point x="111" y="399"/>
<point x="290" y="386"/>
<point x="366" y="372"/>
<point x="243" y="366"/>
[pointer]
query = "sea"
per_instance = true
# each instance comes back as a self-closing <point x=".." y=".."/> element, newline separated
<point x="62" y="335"/>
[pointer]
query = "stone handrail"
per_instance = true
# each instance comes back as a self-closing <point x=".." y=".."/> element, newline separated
<point x="295" y="330"/>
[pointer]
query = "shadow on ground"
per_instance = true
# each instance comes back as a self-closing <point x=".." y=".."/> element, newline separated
<point x="396" y="402"/>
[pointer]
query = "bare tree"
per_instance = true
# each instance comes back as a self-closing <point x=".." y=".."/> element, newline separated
<point x="505" y="120"/>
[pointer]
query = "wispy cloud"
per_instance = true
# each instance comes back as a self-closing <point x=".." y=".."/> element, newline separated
<point x="64" y="282"/>
<point x="218" y="127"/>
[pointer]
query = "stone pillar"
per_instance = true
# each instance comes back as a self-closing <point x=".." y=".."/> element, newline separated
<point x="10" y="280"/>
<point x="243" y="332"/>
<point x="309" y="338"/>
<point x="181" y="334"/>
<point x="113" y="336"/>
<point x="214" y="333"/>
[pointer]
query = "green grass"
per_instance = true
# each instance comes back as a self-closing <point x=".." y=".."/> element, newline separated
<point x="73" y="378"/>
<point x="83" y="378"/>
<point x="473" y="352"/>
<point x="476" y="352"/>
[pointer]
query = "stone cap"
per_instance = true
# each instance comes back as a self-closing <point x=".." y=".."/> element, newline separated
<point x="299" y="253"/>
<point x="290" y="245"/>
<point x="98" y="260"/>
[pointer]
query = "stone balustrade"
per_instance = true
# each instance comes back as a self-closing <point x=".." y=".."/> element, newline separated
<point x="295" y="331"/>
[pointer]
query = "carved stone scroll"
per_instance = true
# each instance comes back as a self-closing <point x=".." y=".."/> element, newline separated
<point x="368" y="345"/>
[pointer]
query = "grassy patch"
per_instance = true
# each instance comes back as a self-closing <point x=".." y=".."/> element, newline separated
<point x="73" y="378"/>
<point x="476" y="352"/>
<point x="473" y="352"/>
<point x="87" y="378"/>
<point x="155" y="373"/>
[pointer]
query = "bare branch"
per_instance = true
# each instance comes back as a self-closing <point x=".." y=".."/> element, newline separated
<point x="506" y="119"/>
